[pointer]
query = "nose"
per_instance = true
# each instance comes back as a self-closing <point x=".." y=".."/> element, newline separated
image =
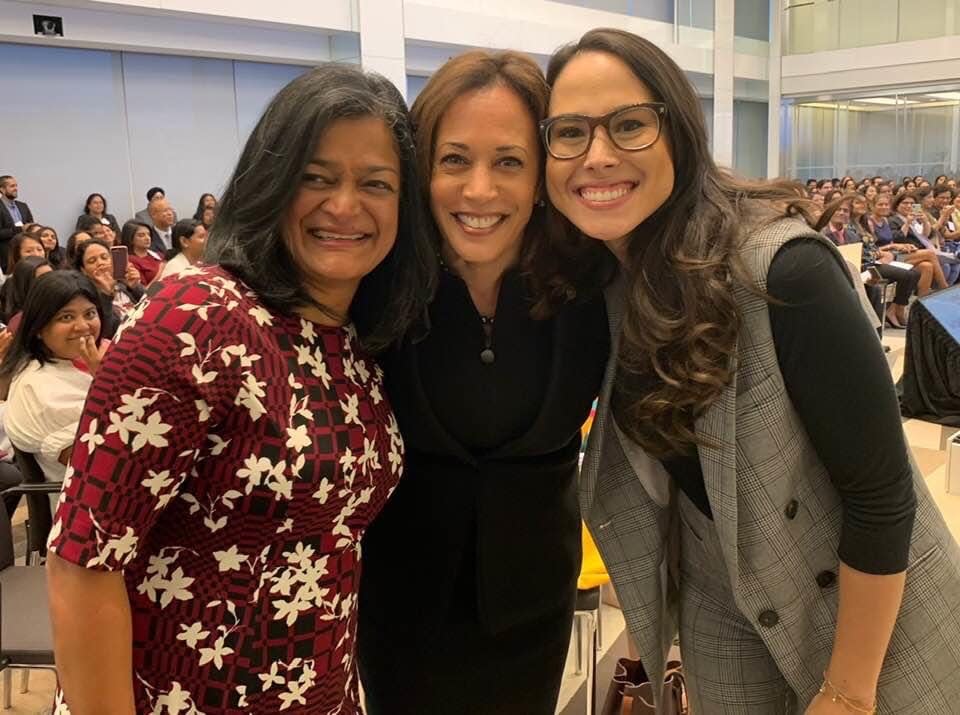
<point x="602" y="153"/>
<point x="343" y="203"/>
<point x="480" y="186"/>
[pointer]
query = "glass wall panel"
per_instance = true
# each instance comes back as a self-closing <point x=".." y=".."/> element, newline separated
<point x="750" y="138"/>
<point x="892" y="136"/>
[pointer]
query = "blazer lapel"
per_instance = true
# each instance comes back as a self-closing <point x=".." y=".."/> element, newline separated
<point x="716" y="429"/>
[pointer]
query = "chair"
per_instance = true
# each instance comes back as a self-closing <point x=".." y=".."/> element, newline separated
<point x="26" y="640"/>
<point x="40" y="519"/>
<point x="587" y="614"/>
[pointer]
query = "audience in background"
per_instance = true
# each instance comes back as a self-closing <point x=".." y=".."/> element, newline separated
<point x="911" y="228"/>
<point x="207" y="201"/>
<point x="161" y="225"/>
<point x="51" y="246"/>
<point x="189" y="238"/>
<point x="92" y="226"/>
<point x="14" y="215"/>
<point x="23" y="245"/>
<point x="154" y="193"/>
<point x="96" y="206"/>
<point x="61" y="324"/>
<point x="73" y="240"/>
<point x="27" y="270"/>
<point x="136" y="237"/>
<point x="117" y="297"/>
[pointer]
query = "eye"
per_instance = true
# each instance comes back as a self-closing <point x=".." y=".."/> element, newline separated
<point x="629" y="125"/>
<point x="65" y="317"/>
<point x="453" y="160"/>
<point x="90" y="314"/>
<point x="380" y="185"/>
<point x="567" y="131"/>
<point x="317" y="180"/>
<point x="511" y="162"/>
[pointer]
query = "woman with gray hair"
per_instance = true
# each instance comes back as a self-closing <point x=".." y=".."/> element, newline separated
<point x="237" y="441"/>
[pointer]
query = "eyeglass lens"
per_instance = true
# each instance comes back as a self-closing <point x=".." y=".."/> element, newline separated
<point x="632" y="129"/>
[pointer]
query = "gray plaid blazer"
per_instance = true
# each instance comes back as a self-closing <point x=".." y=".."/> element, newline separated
<point x="761" y="462"/>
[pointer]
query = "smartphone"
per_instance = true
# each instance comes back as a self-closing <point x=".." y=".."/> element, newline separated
<point x="917" y="209"/>
<point x="120" y="260"/>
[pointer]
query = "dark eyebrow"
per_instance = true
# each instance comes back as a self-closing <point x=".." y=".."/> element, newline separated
<point x="372" y="169"/>
<point x="505" y="147"/>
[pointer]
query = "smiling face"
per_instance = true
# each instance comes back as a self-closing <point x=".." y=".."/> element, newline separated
<point x="607" y="192"/>
<point x="485" y="176"/>
<point x="343" y="220"/>
<point x="49" y="239"/>
<point x="881" y="206"/>
<point x="871" y="192"/>
<point x="63" y="336"/>
<point x="97" y="261"/>
<point x="905" y="207"/>
<point x="32" y="247"/>
<point x="96" y="206"/>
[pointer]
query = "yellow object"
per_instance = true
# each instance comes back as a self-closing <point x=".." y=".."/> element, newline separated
<point x="592" y="571"/>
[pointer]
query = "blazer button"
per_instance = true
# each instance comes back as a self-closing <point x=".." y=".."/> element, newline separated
<point x="825" y="579"/>
<point x="791" y="510"/>
<point x="768" y="619"/>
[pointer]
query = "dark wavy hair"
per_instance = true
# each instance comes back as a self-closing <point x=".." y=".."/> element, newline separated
<point x="556" y="265"/>
<point x="91" y="197"/>
<point x="682" y="319"/>
<point x="198" y="214"/>
<point x="247" y="235"/>
<point x="46" y="297"/>
<point x="20" y="281"/>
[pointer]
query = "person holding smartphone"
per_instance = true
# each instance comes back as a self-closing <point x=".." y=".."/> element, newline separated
<point x="911" y="229"/>
<point x="95" y="260"/>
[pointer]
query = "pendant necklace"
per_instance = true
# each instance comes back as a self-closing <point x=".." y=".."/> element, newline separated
<point x="487" y="356"/>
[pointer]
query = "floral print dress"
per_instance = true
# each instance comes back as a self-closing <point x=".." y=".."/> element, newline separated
<point x="228" y="461"/>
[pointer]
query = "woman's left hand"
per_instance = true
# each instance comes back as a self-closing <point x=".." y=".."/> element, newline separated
<point x="132" y="276"/>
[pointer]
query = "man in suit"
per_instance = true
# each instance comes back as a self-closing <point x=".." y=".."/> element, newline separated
<point x="161" y="223"/>
<point x="143" y="215"/>
<point x="13" y="215"/>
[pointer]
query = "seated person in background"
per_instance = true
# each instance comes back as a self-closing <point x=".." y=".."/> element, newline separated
<point x="93" y="226"/>
<point x="154" y="193"/>
<point x="834" y="223"/>
<point x="51" y="246"/>
<point x="28" y="269"/>
<point x="189" y="238"/>
<point x="61" y="323"/>
<point x="117" y="298"/>
<point x="136" y="237"/>
<point x="905" y="279"/>
<point x="911" y="228"/>
<point x="73" y="242"/>
<point x="21" y="246"/>
<point x="161" y="225"/>
<point x="207" y="201"/>
<point x="96" y="206"/>
<point x="950" y="221"/>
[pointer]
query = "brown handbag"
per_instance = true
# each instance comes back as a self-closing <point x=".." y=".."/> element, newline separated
<point x="631" y="692"/>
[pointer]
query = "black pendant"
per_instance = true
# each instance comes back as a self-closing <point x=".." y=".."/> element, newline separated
<point x="487" y="357"/>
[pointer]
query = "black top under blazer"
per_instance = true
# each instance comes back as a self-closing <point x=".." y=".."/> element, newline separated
<point x="510" y="507"/>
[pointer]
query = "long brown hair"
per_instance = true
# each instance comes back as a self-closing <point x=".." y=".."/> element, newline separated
<point x="682" y="319"/>
<point x="555" y="263"/>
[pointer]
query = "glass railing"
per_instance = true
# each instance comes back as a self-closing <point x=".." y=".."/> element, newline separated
<point x="819" y="25"/>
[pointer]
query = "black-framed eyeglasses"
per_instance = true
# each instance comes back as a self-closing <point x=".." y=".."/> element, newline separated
<point x="632" y="128"/>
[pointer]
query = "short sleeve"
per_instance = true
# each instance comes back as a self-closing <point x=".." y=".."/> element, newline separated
<point x="146" y="420"/>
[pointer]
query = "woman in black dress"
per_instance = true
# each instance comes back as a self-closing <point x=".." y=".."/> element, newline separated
<point x="470" y="571"/>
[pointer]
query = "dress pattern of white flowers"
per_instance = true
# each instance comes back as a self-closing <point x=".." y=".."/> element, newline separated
<point x="228" y="460"/>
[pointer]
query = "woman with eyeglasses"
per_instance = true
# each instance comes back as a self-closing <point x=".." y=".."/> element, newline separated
<point x="747" y="480"/>
<point x="470" y="572"/>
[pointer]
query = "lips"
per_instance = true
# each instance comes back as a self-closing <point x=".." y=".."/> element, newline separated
<point x="479" y="222"/>
<point x="606" y="194"/>
<point x="337" y="236"/>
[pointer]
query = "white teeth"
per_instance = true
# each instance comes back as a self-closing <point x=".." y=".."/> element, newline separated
<point x="595" y="195"/>
<point x="478" y="221"/>
<point x="337" y="236"/>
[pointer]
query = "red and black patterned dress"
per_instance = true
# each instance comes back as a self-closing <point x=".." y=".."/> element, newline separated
<point x="229" y="459"/>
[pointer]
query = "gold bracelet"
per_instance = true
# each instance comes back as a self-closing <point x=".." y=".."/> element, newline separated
<point x="849" y="703"/>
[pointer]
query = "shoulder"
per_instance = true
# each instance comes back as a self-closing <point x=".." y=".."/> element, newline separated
<point x="203" y="301"/>
<point x="761" y="242"/>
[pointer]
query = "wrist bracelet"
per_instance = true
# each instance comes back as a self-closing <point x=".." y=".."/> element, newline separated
<point x="837" y="696"/>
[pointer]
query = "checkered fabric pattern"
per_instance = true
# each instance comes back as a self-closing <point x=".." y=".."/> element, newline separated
<point x="229" y="460"/>
<point x="760" y="461"/>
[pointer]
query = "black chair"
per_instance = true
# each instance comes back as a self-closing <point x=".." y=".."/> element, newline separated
<point x="26" y="640"/>
<point x="40" y="519"/>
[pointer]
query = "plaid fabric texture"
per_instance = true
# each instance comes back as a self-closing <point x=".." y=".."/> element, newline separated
<point x="763" y="460"/>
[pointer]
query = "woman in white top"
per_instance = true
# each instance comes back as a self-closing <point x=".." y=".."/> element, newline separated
<point x="188" y="238"/>
<point x="51" y="364"/>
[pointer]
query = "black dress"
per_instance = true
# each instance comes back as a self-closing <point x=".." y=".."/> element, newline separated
<point x="469" y="572"/>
